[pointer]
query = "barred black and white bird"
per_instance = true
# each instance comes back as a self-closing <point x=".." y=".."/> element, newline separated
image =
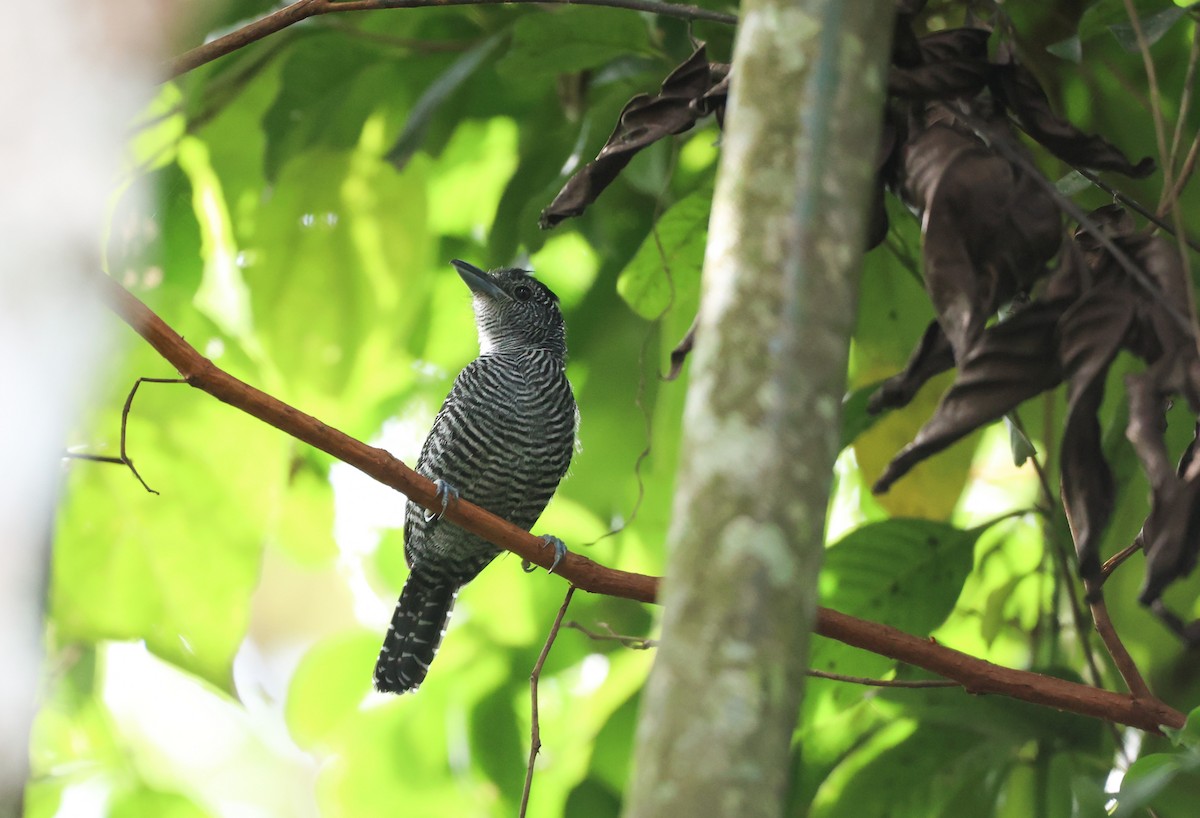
<point x="502" y="440"/>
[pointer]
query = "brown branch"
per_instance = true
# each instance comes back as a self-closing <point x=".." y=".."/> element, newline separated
<point x="535" y="730"/>
<point x="1116" y="648"/>
<point x="244" y="36"/>
<point x="982" y="677"/>
<point x="1114" y="562"/>
<point x="976" y="675"/>
<point x="304" y="9"/>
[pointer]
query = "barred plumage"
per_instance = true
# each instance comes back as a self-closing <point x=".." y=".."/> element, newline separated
<point x="502" y="440"/>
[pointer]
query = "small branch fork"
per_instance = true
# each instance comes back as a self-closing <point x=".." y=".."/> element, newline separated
<point x="975" y="675"/>
<point x="124" y="458"/>
<point x="303" y="9"/>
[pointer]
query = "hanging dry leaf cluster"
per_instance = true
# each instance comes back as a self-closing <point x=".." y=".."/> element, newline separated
<point x="992" y="240"/>
<point x="991" y="228"/>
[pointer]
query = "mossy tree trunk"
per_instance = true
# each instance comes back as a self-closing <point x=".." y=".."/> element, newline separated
<point x="763" y="409"/>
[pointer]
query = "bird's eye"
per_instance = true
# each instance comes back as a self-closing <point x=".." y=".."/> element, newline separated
<point x="523" y="293"/>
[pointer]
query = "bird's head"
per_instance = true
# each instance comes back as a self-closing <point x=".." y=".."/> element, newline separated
<point x="514" y="312"/>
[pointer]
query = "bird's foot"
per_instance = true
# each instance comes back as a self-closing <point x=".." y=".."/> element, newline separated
<point x="560" y="551"/>
<point x="445" y="493"/>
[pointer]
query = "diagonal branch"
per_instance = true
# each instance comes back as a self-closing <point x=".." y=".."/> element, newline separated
<point x="303" y="9"/>
<point x="976" y="675"/>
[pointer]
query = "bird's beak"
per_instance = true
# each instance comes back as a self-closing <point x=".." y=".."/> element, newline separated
<point x="479" y="281"/>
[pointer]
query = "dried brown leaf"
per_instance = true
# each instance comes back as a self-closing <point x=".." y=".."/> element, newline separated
<point x="1012" y="361"/>
<point x="950" y="63"/>
<point x="932" y="356"/>
<point x="1018" y="89"/>
<point x="988" y="229"/>
<point x="1091" y="333"/>
<point x="644" y="120"/>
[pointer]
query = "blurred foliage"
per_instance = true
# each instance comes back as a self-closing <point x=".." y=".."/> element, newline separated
<point x="211" y="646"/>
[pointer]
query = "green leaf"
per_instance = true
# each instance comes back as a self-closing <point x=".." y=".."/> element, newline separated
<point x="1021" y="446"/>
<point x="435" y="97"/>
<point x="1189" y="734"/>
<point x="1110" y="16"/>
<point x="328" y="686"/>
<point x="304" y="527"/>
<point x="572" y="39"/>
<point x="176" y="569"/>
<point x="497" y="743"/>
<point x="902" y="572"/>
<point x="480" y="157"/>
<point x="593" y="799"/>
<point x="138" y="802"/>
<point x="932" y="771"/>
<point x="855" y="417"/>
<point x="670" y="259"/>
<point x="339" y="283"/>
<point x="318" y="102"/>
<point x="1158" y="776"/>
<point x="1154" y="26"/>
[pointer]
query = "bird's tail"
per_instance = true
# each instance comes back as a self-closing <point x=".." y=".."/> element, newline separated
<point x="415" y="633"/>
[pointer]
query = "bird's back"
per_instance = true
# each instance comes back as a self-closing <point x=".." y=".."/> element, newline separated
<point x="504" y="439"/>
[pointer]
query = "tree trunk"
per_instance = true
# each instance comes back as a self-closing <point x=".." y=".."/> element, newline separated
<point x="763" y="408"/>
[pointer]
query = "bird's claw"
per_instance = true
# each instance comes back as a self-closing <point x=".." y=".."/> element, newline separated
<point x="560" y="551"/>
<point x="445" y="492"/>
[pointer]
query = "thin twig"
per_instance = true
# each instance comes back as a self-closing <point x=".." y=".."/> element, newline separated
<point x="94" y="458"/>
<point x="1170" y="197"/>
<point x="1067" y="576"/>
<point x="535" y="732"/>
<point x="1170" y="193"/>
<point x="1104" y="626"/>
<point x="1116" y="648"/>
<point x="1136" y="206"/>
<point x="304" y="9"/>
<point x="1160" y="128"/>
<point x="639" y="643"/>
<point x="631" y="642"/>
<point x="1185" y="96"/>
<point x="1185" y="175"/>
<point x="1114" y="562"/>
<point x="1063" y="565"/>
<point x="861" y="680"/>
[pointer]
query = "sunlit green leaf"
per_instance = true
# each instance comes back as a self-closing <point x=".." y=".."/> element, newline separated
<point x="328" y="685"/>
<point x="143" y="801"/>
<point x="1160" y="777"/>
<point x="191" y="551"/>
<point x="670" y="259"/>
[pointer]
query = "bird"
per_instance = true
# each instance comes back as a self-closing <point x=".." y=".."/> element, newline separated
<point x="502" y="440"/>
